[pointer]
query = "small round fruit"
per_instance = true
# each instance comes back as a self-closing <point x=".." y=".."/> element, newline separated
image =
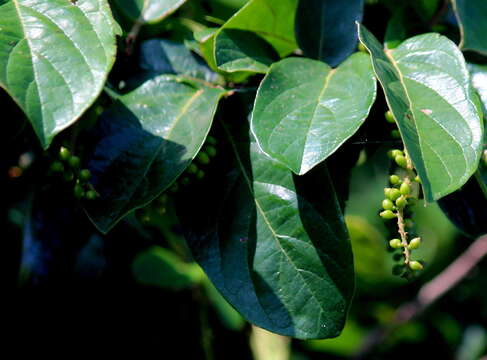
<point x="401" y="202"/>
<point x="387" y="214"/>
<point x="68" y="176"/>
<point x="397" y="269"/>
<point x="394" y="194"/>
<point x="210" y="150"/>
<point x="192" y="168"/>
<point x="389" y="117"/>
<point x="185" y="181"/>
<point x="64" y="154"/>
<point x="395" y="152"/>
<point x="362" y="48"/>
<point x="211" y="140"/>
<point x="200" y="174"/>
<point x="414" y="243"/>
<point x="401" y="161"/>
<point x="395" y="243"/>
<point x="203" y="158"/>
<point x="387" y="204"/>
<point x="57" y="167"/>
<point x="91" y="195"/>
<point x="395" y="134"/>
<point x="415" y="265"/>
<point x="417" y="179"/>
<point x="394" y="180"/>
<point x="174" y="188"/>
<point x="78" y="191"/>
<point x="74" y="161"/>
<point x="405" y="189"/>
<point x="84" y="175"/>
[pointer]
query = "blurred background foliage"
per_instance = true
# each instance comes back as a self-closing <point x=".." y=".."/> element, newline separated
<point x="137" y="289"/>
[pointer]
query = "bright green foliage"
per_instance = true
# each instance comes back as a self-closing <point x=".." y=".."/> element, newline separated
<point x="305" y="110"/>
<point x="427" y="87"/>
<point x="472" y="15"/>
<point x="54" y="58"/>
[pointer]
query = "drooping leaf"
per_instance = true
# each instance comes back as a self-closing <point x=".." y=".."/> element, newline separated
<point x="54" y="58"/>
<point x="273" y="24"/>
<point x="428" y="89"/>
<point x="305" y="110"/>
<point x="471" y="15"/>
<point x="146" y="140"/>
<point x="274" y="244"/>
<point x="325" y="29"/>
<point x="148" y="11"/>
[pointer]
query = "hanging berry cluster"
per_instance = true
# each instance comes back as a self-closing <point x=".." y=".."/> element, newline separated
<point x="403" y="192"/>
<point x="68" y="166"/>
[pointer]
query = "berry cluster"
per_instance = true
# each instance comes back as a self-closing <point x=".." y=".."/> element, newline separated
<point x="195" y="170"/>
<point x="403" y="193"/>
<point x="68" y="166"/>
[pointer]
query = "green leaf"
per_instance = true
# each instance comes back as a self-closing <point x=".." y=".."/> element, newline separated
<point x="478" y="74"/>
<point x="145" y="141"/>
<point x="274" y="244"/>
<point x="148" y="11"/>
<point x="54" y="58"/>
<point x="472" y="15"/>
<point x="428" y="90"/>
<point x="305" y="110"/>
<point x="271" y="21"/>
<point x="325" y="29"/>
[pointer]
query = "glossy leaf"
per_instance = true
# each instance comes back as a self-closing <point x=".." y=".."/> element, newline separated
<point x="145" y="142"/>
<point x="148" y="11"/>
<point x="305" y="110"/>
<point x="471" y="15"/>
<point x="428" y="89"/>
<point x="54" y="58"/>
<point x="274" y="244"/>
<point x="325" y="29"/>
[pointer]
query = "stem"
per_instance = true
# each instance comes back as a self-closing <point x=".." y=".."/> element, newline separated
<point x="404" y="236"/>
<point x="428" y="294"/>
<point x="132" y="35"/>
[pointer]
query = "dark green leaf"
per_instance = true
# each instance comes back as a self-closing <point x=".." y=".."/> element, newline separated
<point x="54" y="58"/>
<point x="305" y="110"/>
<point x="145" y="142"/>
<point x="148" y="11"/>
<point x="325" y="29"/>
<point x="274" y="244"/>
<point x="428" y="89"/>
<point x="472" y="15"/>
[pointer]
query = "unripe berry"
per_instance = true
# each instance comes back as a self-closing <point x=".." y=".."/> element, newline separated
<point x="192" y="168"/>
<point x="68" y="175"/>
<point x="185" y="181"/>
<point x="211" y="140"/>
<point x="57" y="167"/>
<point x="74" y="162"/>
<point x="414" y="243"/>
<point x="387" y="214"/>
<point x="91" y="195"/>
<point x="415" y="265"/>
<point x="78" y="191"/>
<point x="64" y="154"/>
<point x="389" y="117"/>
<point x="394" y="180"/>
<point x="405" y="189"/>
<point x="394" y="194"/>
<point x="395" y="152"/>
<point x="362" y="48"/>
<point x="210" y="150"/>
<point x="200" y="174"/>
<point x="401" y="202"/>
<point x="84" y="175"/>
<point x="203" y="158"/>
<point x="174" y="188"/>
<point x="401" y="161"/>
<point x="397" y="269"/>
<point x="395" y="243"/>
<point x="417" y="179"/>
<point x="395" y="134"/>
<point x="387" y="204"/>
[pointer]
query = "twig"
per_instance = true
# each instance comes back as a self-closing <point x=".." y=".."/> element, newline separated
<point x="428" y="294"/>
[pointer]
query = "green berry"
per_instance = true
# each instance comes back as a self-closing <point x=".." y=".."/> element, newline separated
<point x="200" y="174"/>
<point x="394" y="194"/>
<point x="203" y="158"/>
<point x="91" y="195"/>
<point x="64" y="154"/>
<point x="74" y="162"/>
<point x="401" y="161"/>
<point x="395" y="134"/>
<point x="387" y="204"/>
<point x="417" y="179"/>
<point x="394" y="180"/>
<point x="395" y="152"/>
<point x="395" y="243"/>
<point x="405" y="189"/>
<point x="415" y="265"/>
<point x="68" y="176"/>
<point x="174" y="188"/>
<point x="397" y="269"/>
<point x="210" y="150"/>
<point x="211" y="140"/>
<point x="389" y="117"/>
<point x="185" y="181"/>
<point x="387" y="191"/>
<point x="192" y="168"/>
<point x="57" y="167"/>
<point x="401" y="202"/>
<point x="414" y="243"/>
<point x="78" y="191"/>
<point x="387" y="214"/>
<point x="84" y="175"/>
<point x="362" y="48"/>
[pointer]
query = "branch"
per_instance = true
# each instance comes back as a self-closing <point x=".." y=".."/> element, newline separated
<point x="428" y="294"/>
